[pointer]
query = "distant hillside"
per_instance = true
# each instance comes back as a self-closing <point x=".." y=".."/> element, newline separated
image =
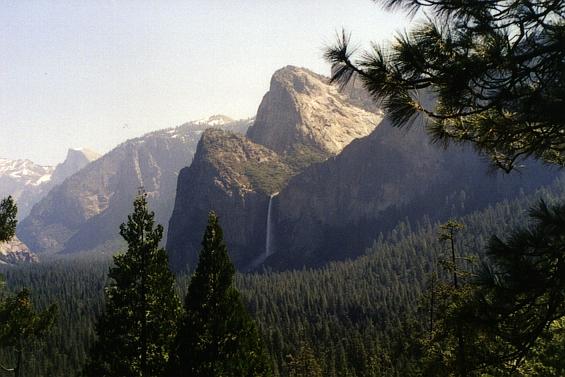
<point x="84" y="212"/>
<point x="28" y="182"/>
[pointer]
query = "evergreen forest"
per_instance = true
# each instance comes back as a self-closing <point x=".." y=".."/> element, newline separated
<point x="351" y="318"/>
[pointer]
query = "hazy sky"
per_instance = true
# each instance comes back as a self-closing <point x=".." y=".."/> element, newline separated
<point x="95" y="73"/>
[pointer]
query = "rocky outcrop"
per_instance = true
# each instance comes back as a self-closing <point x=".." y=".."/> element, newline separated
<point x="301" y="110"/>
<point x="234" y="177"/>
<point x="15" y="252"/>
<point x="76" y="159"/>
<point x="84" y="212"/>
<point x="335" y="209"/>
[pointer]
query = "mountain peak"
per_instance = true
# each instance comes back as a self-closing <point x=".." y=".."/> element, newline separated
<point x="215" y="120"/>
<point x="301" y="109"/>
<point x="76" y="159"/>
<point x="87" y="153"/>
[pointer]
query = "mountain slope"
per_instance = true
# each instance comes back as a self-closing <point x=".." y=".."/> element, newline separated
<point x="301" y="121"/>
<point x="346" y="184"/>
<point x="28" y="182"/>
<point x="84" y="212"/>
<point x="76" y="159"/>
<point x="24" y="181"/>
<point x="333" y="209"/>
<point x="225" y="176"/>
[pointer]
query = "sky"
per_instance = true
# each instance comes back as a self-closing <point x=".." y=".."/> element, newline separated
<point x="96" y="73"/>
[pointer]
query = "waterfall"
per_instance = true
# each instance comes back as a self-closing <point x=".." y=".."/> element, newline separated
<point x="268" y="249"/>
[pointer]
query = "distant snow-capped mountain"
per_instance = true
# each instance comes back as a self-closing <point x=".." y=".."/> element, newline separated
<point x="28" y="182"/>
<point x="85" y="211"/>
<point x="25" y="172"/>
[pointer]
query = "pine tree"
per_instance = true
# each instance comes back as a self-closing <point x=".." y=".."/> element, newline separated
<point x="304" y="363"/>
<point x="8" y="213"/>
<point x="217" y="336"/>
<point x="487" y="72"/>
<point x="136" y="331"/>
<point x="522" y="292"/>
<point x="20" y="324"/>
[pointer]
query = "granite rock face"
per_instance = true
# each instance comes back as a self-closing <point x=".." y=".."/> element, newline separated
<point x="301" y="109"/>
<point x="301" y="121"/>
<point x="84" y="212"/>
<point x="225" y="177"/>
<point x="332" y="178"/>
<point x="76" y="160"/>
<point x="15" y="252"/>
<point x="335" y="209"/>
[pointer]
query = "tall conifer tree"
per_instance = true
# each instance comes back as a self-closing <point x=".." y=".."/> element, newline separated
<point x="136" y="331"/>
<point x="20" y="324"/>
<point x="217" y="336"/>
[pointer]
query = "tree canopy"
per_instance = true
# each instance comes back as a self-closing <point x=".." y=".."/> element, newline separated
<point x="217" y="336"/>
<point x="8" y="221"/>
<point x="137" y="328"/>
<point x="489" y="72"/>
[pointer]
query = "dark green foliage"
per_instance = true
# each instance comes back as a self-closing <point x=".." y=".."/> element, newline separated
<point x="8" y="213"/>
<point x="351" y="313"/>
<point x="547" y="359"/>
<point x="268" y="176"/>
<point x="304" y="363"/>
<point x="138" y="325"/>
<point x="21" y="326"/>
<point x="217" y="336"/>
<point x="271" y="176"/>
<point x="301" y="156"/>
<point x="488" y="72"/>
<point x="522" y="292"/>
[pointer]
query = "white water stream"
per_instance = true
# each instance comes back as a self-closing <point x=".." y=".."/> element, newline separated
<point x="268" y="236"/>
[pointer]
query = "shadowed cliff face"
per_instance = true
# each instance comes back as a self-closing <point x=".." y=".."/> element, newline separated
<point x="225" y="176"/>
<point x="335" y="209"/>
<point x="85" y="211"/>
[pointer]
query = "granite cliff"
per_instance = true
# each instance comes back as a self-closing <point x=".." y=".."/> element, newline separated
<point x="301" y="121"/>
<point x="85" y="210"/>
<point x="325" y="178"/>
<point x="336" y="209"/>
<point x="233" y="176"/>
<point x="302" y="111"/>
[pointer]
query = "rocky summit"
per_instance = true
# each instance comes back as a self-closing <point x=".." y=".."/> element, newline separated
<point x="301" y="110"/>
<point x="25" y="181"/>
